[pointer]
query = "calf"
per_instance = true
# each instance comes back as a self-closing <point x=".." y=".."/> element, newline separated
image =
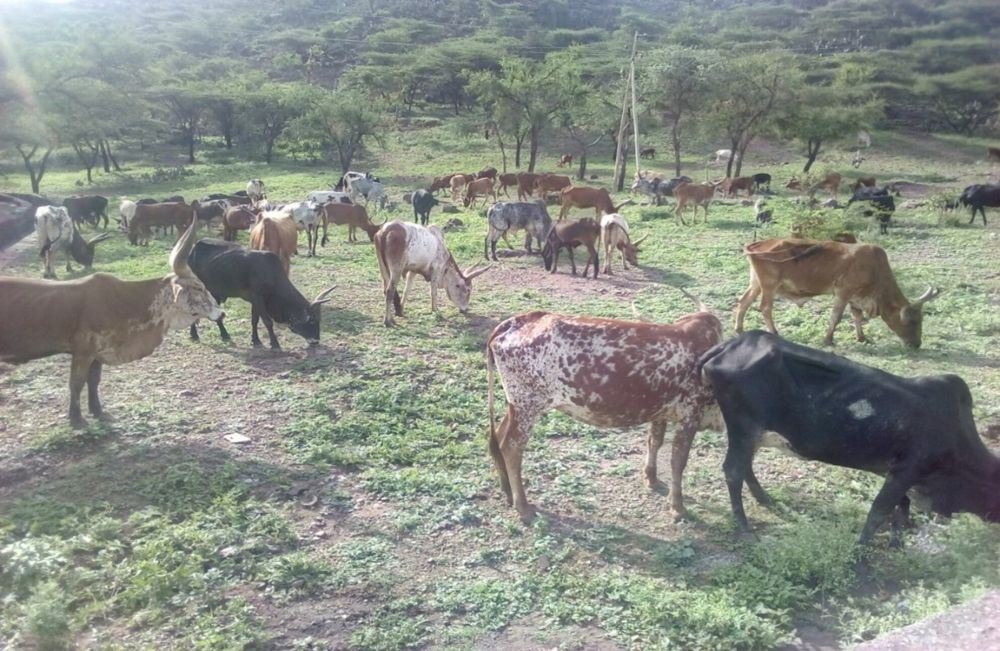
<point x="56" y="232"/>
<point x="126" y="210"/>
<point x="411" y="249"/>
<point x="918" y="433"/>
<point x="506" y="181"/>
<point x="605" y="373"/>
<point x="228" y="270"/>
<point x="276" y="232"/>
<point x="237" y="218"/>
<point x="571" y="234"/>
<point x="440" y="183"/>
<point x="506" y="217"/>
<point x="88" y="209"/>
<point x="352" y="216"/>
<point x="308" y="215"/>
<point x="980" y="197"/>
<point x="423" y="201"/>
<point x="695" y="195"/>
<point x="614" y="232"/>
<point x="829" y="182"/>
<point x="881" y="202"/>
<point x="457" y="184"/>
<point x="205" y="213"/>
<point x="551" y="183"/>
<point x="761" y="182"/>
<point x="479" y="188"/>
<point x="731" y="185"/>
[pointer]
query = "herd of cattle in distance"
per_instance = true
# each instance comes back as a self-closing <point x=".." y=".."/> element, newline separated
<point x="765" y="391"/>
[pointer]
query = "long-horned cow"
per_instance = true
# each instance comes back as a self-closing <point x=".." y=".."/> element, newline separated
<point x="614" y="232"/>
<point x="100" y="320"/>
<point x="858" y="276"/>
<point x="603" y="372"/>
<point x="411" y="249"/>
<point x="56" y="232"/>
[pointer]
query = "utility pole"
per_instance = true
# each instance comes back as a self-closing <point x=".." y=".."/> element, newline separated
<point x="620" y="154"/>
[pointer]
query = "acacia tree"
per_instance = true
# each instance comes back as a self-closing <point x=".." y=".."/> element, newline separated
<point x="826" y="113"/>
<point x="270" y="108"/>
<point x="586" y="123"/>
<point x="746" y="91"/>
<point x="963" y="101"/>
<point x="676" y="80"/>
<point x="337" y="124"/>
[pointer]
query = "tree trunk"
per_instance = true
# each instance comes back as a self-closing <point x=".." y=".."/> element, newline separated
<point x="35" y="174"/>
<point x="675" y="135"/>
<point x="582" y="172"/>
<point x="104" y="158"/>
<point x="518" y="142"/>
<point x="812" y="152"/>
<point x="268" y="150"/>
<point x="111" y="155"/>
<point x="535" y="136"/>
<point x="190" y="139"/>
<point x="503" y="149"/>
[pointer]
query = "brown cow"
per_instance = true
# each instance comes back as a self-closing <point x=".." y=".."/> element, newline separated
<point x="526" y="185"/>
<point x="166" y="214"/>
<point x="863" y="181"/>
<point x="479" y="188"/>
<point x="506" y="181"/>
<point x="487" y="173"/>
<point x="569" y="235"/>
<point x="858" y="275"/>
<point x="731" y="185"/>
<point x="440" y="183"/>
<point x="551" y="183"/>
<point x="237" y="218"/>
<point x="351" y="215"/>
<point x="830" y="182"/>
<point x="457" y="184"/>
<point x="566" y="160"/>
<point x="993" y="154"/>
<point x="100" y="320"/>
<point x="605" y="373"/>
<point x="694" y="194"/>
<point x="276" y="232"/>
<point x="583" y="197"/>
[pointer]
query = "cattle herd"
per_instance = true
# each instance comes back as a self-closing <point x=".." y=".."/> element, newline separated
<point x="763" y="390"/>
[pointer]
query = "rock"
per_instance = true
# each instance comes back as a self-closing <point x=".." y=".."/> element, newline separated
<point x="831" y="203"/>
<point x="912" y="204"/>
<point x="453" y="224"/>
<point x="238" y="439"/>
<point x="187" y="393"/>
<point x="594" y="177"/>
<point x="450" y="208"/>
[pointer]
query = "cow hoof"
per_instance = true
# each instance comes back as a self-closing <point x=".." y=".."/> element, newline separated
<point x="257" y="344"/>
<point x="388" y="323"/>
<point x="680" y="515"/>
<point x="828" y="342"/>
<point x="527" y="515"/>
<point x="77" y="422"/>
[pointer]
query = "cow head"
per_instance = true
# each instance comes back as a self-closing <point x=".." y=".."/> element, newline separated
<point x="908" y="322"/>
<point x="83" y="250"/>
<point x="965" y="490"/>
<point x="458" y="284"/>
<point x="191" y="300"/>
<point x="305" y="320"/>
<point x="631" y="250"/>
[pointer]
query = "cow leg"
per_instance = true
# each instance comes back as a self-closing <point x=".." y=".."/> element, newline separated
<point x="900" y="520"/>
<point x="94" y="379"/>
<point x="737" y="466"/>
<point x="654" y="440"/>
<point x="269" y="324"/>
<point x="222" y="330"/>
<point x="597" y="262"/>
<point x="767" y="309"/>
<point x="512" y="436"/>
<point x="858" y="318"/>
<point x="406" y="292"/>
<point x="79" y="373"/>
<point x="572" y="259"/>
<point x="891" y="494"/>
<point x="194" y="332"/>
<point x="839" y="304"/>
<point x="607" y="258"/>
<point x="679" y="453"/>
<point x="391" y="301"/>
<point x="255" y="313"/>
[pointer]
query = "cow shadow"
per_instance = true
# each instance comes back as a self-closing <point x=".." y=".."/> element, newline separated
<point x="345" y="321"/>
<point x="299" y="357"/>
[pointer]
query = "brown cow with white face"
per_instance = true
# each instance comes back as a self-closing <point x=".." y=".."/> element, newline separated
<point x="100" y="320"/>
<point x="858" y="276"/>
<point x="603" y="372"/>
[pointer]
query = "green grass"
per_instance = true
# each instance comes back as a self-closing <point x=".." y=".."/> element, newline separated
<point x="365" y="511"/>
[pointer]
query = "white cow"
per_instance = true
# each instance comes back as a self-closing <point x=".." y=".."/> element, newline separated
<point x="309" y="216"/>
<point x="402" y="247"/>
<point x="722" y="155"/>
<point x="126" y="211"/>
<point x="614" y="232"/>
<point x="255" y="190"/>
<point x="369" y="189"/>
<point x="56" y="233"/>
<point x="864" y="139"/>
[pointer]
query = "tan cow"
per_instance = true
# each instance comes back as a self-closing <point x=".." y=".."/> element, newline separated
<point x="614" y="232"/>
<point x="582" y="197"/>
<point x="483" y="187"/>
<point x="546" y="183"/>
<point x="730" y="186"/>
<point x="830" y="182"/>
<point x="457" y="184"/>
<point x="100" y="320"/>
<point x="605" y="373"/>
<point x="695" y="195"/>
<point x="858" y="276"/>
<point x="350" y="215"/>
<point x="276" y="232"/>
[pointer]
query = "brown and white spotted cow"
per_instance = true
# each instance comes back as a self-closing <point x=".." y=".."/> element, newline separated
<point x="605" y="373"/>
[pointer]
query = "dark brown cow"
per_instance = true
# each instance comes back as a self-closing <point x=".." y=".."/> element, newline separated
<point x="605" y="373"/>
<point x="167" y="214"/>
<point x="863" y="182"/>
<point x="506" y="181"/>
<point x="569" y="235"/>
<point x="487" y="173"/>
<point x="237" y="218"/>
<point x="731" y="185"/>
<point x="350" y="215"/>
<point x="440" y="183"/>
<point x="858" y="276"/>
<point x="551" y="183"/>
<point x="526" y="185"/>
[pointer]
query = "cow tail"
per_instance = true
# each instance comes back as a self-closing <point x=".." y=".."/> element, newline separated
<point x="490" y="365"/>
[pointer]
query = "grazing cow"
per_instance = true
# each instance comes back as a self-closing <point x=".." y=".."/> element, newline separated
<point x="918" y="433"/>
<point x="731" y="185"/>
<point x="858" y="275"/>
<point x="206" y="213"/>
<point x="88" y="209"/>
<point x="352" y="216"/>
<point x="657" y="187"/>
<point x="761" y="182"/>
<point x="648" y="152"/>
<point x="862" y="182"/>
<point x="423" y="201"/>
<point x="551" y="183"/>
<point x="323" y="196"/>
<point x="506" y="181"/>
<point x="412" y="249"/>
<point x="229" y="270"/>
<point x="479" y="188"/>
<point x="487" y="173"/>
<point x="344" y="182"/>
<point x="980" y="197"/>
<point x="166" y="214"/>
<point x="368" y="188"/>
<point x="457" y="184"/>
<point x="882" y="205"/>
<point x="506" y="217"/>
<point x="605" y="373"/>
<point x="126" y="210"/>
<point x="571" y="234"/>
<point x="440" y="183"/>
<point x="526" y="185"/>
<point x="99" y="320"/>
<point x="56" y="232"/>
<point x="614" y="232"/>
<point x="255" y="190"/>
<point x="582" y="197"/>
<point x="275" y="231"/>
<point x="308" y="215"/>
<point x="993" y="154"/>
<point x="694" y="194"/>
<point x="722" y="155"/>
<point x="864" y="139"/>
<point x="830" y="182"/>
<point x="857" y="160"/>
<point x="566" y="160"/>
<point x="236" y="219"/>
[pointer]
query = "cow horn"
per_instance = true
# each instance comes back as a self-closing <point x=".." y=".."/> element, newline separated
<point x="929" y="295"/>
<point x="473" y="271"/>
<point x="640" y="240"/>
<point x="181" y="250"/>
<point x="98" y="238"/>
<point x="322" y="297"/>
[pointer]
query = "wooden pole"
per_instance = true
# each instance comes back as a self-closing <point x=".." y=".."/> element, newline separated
<point x="635" y="116"/>
<point x="619" y="180"/>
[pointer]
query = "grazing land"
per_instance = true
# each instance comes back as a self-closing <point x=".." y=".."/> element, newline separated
<point x="364" y="511"/>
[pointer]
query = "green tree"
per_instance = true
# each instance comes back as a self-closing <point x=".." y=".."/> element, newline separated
<point x="269" y="108"/>
<point x="337" y="124"/>
<point x="963" y="101"/>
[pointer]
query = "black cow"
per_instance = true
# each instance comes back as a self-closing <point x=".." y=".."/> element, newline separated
<point x="232" y="271"/>
<point x="210" y="210"/>
<point x="760" y="181"/>
<point x="882" y="204"/>
<point x="422" y="201"/>
<point x="917" y="432"/>
<point x="980" y="197"/>
<point x="88" y="209"/>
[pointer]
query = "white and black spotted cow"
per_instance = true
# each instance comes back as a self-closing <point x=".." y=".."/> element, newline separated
<point x="605" y="373"/>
